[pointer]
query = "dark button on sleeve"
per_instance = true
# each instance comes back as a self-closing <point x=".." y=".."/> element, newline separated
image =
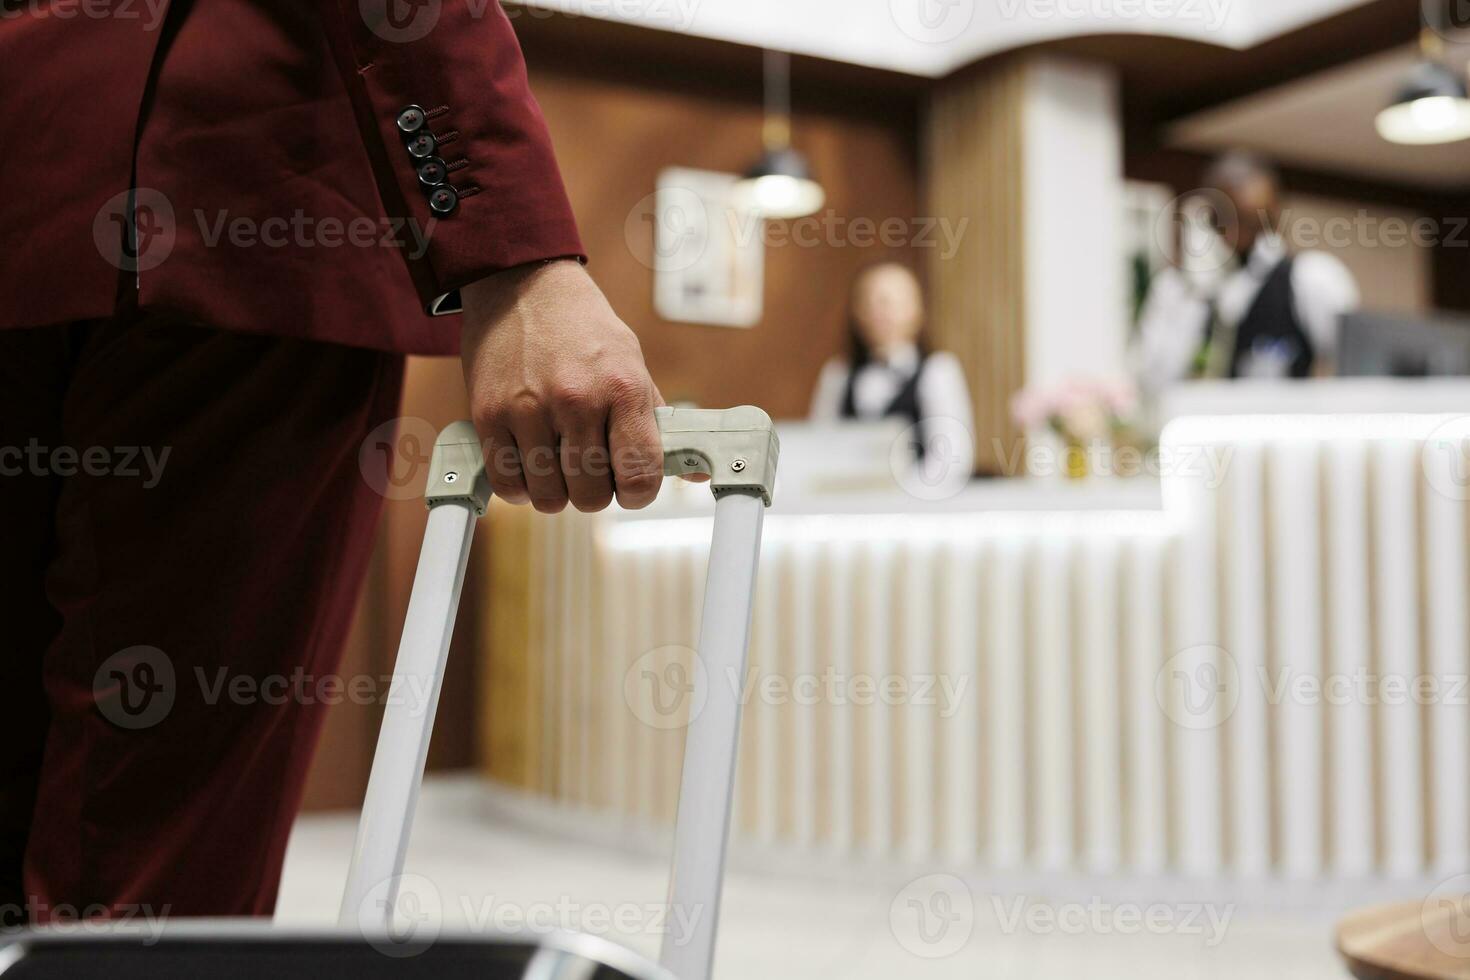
<point x="443" y="200"/>
<point x="421" y="145"/>
<point x="411" y="119"/>
<point x="433" y="172"/>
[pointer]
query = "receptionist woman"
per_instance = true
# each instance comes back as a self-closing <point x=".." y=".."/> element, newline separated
<point x="890" y="373"/>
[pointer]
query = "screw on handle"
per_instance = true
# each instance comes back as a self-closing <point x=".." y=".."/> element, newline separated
<point x="736" y="448"/>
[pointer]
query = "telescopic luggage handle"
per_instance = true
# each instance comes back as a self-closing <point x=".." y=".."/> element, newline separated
<point x="737" y="448"/>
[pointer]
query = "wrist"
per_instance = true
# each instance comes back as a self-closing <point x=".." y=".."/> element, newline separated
<point x="509" y="283"/>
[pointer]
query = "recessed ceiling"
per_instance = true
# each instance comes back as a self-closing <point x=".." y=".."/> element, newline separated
<point x="931" y="38"/>
<point x="1325" y="122"/>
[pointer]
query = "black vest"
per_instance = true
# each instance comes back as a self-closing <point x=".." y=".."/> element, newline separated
<point x="904" y="405"/>
<point x="1272" y="322"/>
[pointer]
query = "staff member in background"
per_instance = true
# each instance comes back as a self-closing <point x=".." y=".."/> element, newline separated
<point x="1272" y="314"/>
<point x="891" y="373"/>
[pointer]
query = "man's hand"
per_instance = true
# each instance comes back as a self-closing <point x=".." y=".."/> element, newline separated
<point x="559" y="392"/>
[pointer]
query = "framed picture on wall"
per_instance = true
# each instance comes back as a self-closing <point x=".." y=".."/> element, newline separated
<point x="709" y="254"/>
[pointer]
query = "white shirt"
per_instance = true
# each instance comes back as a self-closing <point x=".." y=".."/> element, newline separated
<point x="942" y="394"/>
<point x="1176" y="312"/>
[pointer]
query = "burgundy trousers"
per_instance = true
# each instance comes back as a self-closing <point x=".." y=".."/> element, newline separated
<point x="186" y="522"/>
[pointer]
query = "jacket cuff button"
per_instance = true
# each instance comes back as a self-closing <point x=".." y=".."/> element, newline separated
<point x="443" y="200"/>
<point x="411" y="119"/>
<point x="433" y="172"/>
<point x="422" y="145"/>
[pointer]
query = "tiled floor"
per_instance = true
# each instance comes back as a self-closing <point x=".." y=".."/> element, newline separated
<point x="479" y="857"/>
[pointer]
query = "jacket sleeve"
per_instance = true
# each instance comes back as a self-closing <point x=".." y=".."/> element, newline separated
<point x="456" y="140"/>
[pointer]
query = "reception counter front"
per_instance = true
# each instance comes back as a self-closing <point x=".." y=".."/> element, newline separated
<point x="1252" y="665"/>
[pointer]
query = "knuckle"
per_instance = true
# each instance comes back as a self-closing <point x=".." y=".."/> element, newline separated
<point x="572" y="399"/>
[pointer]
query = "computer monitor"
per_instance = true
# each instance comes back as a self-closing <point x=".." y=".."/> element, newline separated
<point x="1403" y="346"/>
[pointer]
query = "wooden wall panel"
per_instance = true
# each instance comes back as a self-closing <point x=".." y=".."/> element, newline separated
<point x="973" y="173"/>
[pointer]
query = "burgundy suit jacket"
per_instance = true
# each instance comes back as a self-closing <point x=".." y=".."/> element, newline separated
<point x="326" y="169"/>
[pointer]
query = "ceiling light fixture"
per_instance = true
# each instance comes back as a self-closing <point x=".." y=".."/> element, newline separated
<point x="780" y="184"/>
<point x="1432" y="104"/>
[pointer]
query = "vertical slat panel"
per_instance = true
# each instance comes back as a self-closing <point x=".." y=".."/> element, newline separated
<point x="761" y="716"/>
<point x="1448" y="654"/>
<point x="1197" y="709"/>
<point x="1006" y="731"/>
<point x="804" y="712"/>
<point x="839" y="652"/>
<point x="915" y="659"/>
<point x="1245" y="636"/>
<point x="974" y="180"/>
<point x="1348" y="603"/>
<point x="1396" y="586"/>
<point x="618" y="757"/>
<point x="1147" y="762"/>
<point x="878" y="752"/>
<point x="961" y="730"/>
<point x="1097" y="657"/>
<point x="1296" y="552"/>
<point x="1053" y="731"/>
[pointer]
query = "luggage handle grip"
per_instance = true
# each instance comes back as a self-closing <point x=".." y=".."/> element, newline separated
<point x="736" y="448"/>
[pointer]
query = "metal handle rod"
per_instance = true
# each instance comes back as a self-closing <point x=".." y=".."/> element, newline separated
<point x="408" y="720"/>
<point x="703" y="826"/>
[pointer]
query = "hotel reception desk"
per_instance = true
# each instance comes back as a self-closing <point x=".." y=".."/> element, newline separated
<point x="1250" y="661"/>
